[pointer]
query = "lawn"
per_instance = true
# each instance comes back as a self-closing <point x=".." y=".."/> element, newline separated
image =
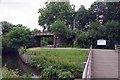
<point x="62" y="63"/>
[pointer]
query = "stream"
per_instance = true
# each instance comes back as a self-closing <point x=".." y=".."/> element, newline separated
<point x="11" y="60"/>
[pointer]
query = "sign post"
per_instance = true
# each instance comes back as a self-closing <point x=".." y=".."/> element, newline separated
<point x="101" y="43"/>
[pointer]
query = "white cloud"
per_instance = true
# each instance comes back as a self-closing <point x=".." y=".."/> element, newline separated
<point x="25" y="11"/>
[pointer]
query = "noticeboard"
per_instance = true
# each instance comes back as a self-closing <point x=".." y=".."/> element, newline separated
<point x="101" y="42"/>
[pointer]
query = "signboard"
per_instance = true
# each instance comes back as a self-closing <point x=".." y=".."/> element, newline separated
<point x="101" y="42"/>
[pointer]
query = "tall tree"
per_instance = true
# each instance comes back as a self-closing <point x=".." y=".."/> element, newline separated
<point x="62" y="31"/>
<point x="113" y="12"/>
<point x="56" y="10"/>
<point x="106" y="11"/>
<point x="98" y="11"/>
<point x="82" y="18"/>
<point x="6" y="26"/>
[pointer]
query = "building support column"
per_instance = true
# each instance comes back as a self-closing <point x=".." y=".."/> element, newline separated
<point x="37" y="42"/>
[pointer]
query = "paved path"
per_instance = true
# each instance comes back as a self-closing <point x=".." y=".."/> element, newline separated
<point x="70" y="48"/>
<point x="105" y="64"/>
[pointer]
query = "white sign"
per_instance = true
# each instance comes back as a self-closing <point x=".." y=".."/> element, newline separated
<point x="101" y="42"/>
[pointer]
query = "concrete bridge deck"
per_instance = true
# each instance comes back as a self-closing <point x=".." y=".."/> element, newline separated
<point x="104" y="64"/>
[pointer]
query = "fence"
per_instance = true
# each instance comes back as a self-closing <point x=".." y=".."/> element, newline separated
<point x="87" y="70"/>
<point x="117" y="48"/>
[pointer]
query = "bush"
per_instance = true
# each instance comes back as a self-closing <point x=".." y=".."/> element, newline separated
<point x="8" y="73"/>
<point x="83" y="40"/>
<point x="65" y="74"/>
<point x="22" y="50"/>
<point x="48" y="72"/>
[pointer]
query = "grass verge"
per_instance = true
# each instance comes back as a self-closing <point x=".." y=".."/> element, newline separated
<point x="61" y="63"/>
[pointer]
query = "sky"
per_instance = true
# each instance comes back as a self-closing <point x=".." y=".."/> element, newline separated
<point x="26" y="11"/>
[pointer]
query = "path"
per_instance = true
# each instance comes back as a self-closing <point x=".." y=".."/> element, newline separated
<point x="105" y="64"/>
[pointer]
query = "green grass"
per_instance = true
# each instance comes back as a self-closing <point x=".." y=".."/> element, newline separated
<point x="60" y="59"/>
<point x="8" y="73"/>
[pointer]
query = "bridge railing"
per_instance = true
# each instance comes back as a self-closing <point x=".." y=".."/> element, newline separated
<point x="42" y="33"/>
<point x="87" y="70"/>
<point x="117" y="48"/>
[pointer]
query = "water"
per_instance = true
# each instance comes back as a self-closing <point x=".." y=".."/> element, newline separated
<point x="12" y="61"/>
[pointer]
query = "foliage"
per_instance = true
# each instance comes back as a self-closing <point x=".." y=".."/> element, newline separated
<point x="15" y="36"/>
<point x="113" y="31"/>
<point x="44" y="41"/>
<point x="109" y="31"/>
<point x="65" y="74"/>
<point x="59" y="28"/>
<point x="113" y="12"/>
<point x="54" y="11"/>
<point x="96" y="10"/>
<point x="22" y="50"/>
<point x="19" y="37"/>
<point x="48" y="72"/>
<point x="83" y="39"/>
<point x="51" y="72"/>
<point x="82" y="18"/>
<point x="35" y="30"/>
<point x="65" y="60"/>
<point x="6" y="27"/>
<point x="8" y="73"/>
<point x="90" y="24"/>
<point x="26" y="75"/>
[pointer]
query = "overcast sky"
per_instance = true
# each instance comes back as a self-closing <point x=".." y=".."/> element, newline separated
<point x="25" y="11"/>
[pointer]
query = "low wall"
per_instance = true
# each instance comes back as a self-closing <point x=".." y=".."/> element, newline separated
<point x="25" y="58"/>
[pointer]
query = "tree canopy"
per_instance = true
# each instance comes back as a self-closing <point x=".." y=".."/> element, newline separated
<point x="56" y="10"/>
<point x="99" y="21"/>
<point x="15" y="36"/>
<point x="19" y="37"/>
<point x="82" y="27"/>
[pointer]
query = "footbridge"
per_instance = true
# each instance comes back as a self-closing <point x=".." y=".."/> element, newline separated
<point x="39" y="35"/>
<point x="102" y="64"/>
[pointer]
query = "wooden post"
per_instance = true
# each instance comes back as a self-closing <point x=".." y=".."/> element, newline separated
<point x="54" y="41"/>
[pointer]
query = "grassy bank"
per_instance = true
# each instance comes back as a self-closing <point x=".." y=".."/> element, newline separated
<point x="9" y="74"/>
<point x="61" y="63"/>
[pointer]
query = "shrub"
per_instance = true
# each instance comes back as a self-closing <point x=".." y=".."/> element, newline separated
<point x="8" y="73"/>
<point x="48" y="72"/>
<point x="65" y="74"/>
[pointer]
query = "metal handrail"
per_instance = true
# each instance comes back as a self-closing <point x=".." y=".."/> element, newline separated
<point x="87" y="69"/>
<point x="117" y="48"/>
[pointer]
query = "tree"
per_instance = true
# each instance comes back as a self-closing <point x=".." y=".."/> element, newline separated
<point x="56" y="10"/>
<point x="113" y="31"/>
<point x="113" y="12"/>
<point x="19" y="36"/>
<point x="106" y="11"/>
<point x="81" y="19"/>
<point x="35" y="31"/>
<point x="6" y="27"/>
<point x="98" y="11"/>
<point x="60" y="29"/>
<point x="83" y="39"/>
